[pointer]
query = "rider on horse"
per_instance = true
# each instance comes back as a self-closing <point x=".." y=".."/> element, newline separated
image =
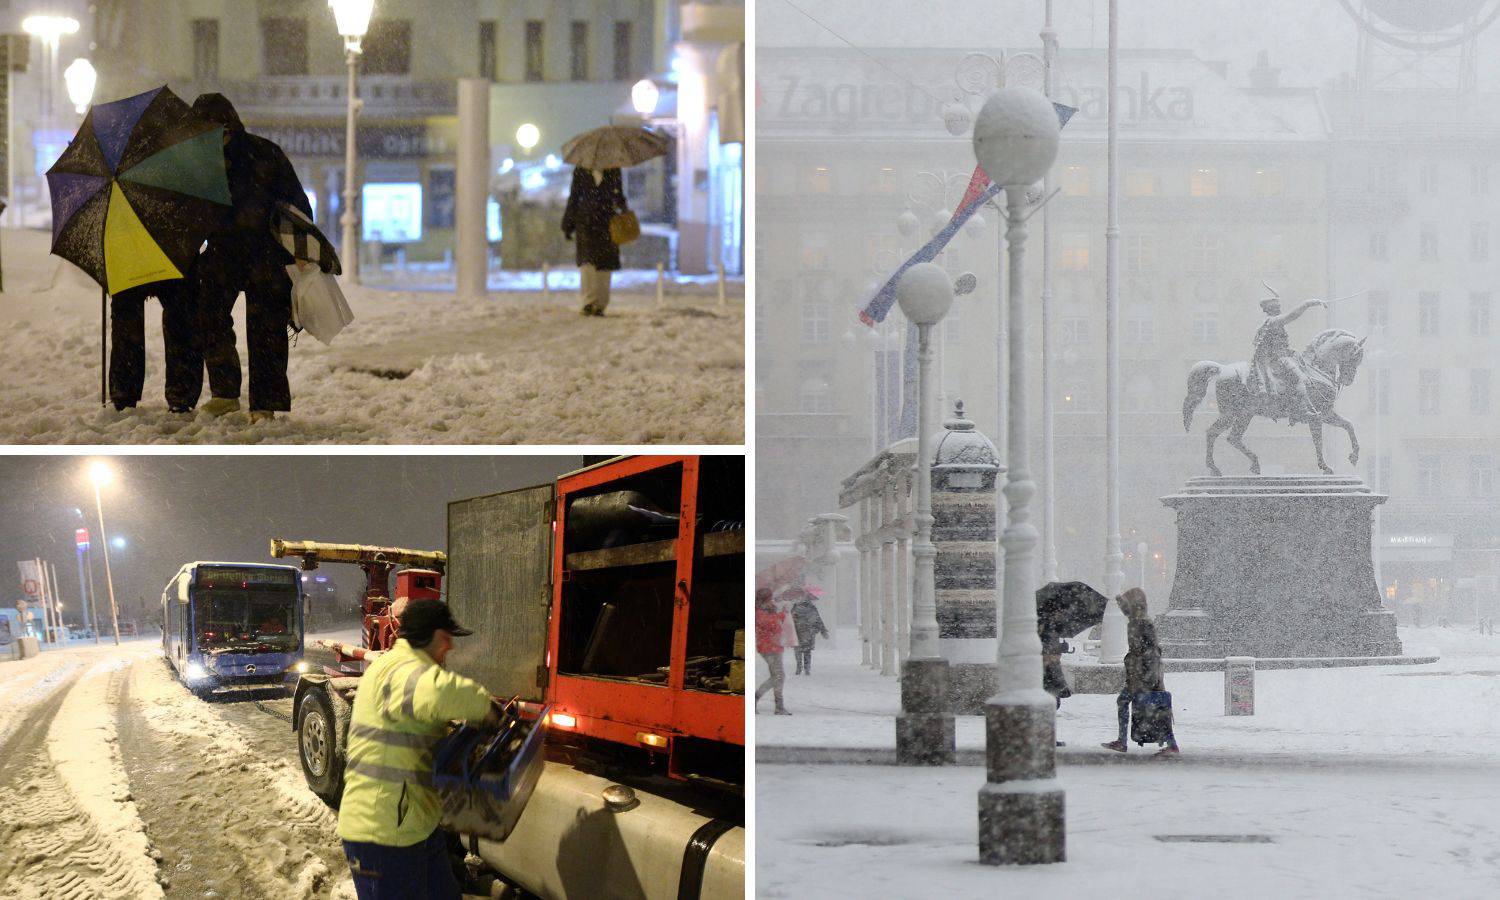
<point x="1274" y="358"/>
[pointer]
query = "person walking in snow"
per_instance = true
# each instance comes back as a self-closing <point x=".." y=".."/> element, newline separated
<point x="244" y="256"/>
<point x="769" y="623"/>
<point x="596" y="196"/>
<point x="1143" y="667"/>
<point x="809" y="624"/>
<point x="127" y="360"/>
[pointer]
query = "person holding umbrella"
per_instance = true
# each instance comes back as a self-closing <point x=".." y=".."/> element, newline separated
<point x="597" y="218"/>
<point x="127" y="358"/>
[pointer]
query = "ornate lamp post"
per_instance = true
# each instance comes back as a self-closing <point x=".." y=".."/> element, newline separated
<point x="924" y="730"/>
<point x="353" y="18"/>
<point x="1020" y="807"/>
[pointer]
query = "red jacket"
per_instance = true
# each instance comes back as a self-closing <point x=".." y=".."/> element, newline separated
<point x="768" y="625"/>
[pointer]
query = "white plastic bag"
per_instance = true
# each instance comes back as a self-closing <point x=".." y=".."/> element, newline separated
<point x="318" y="306"/>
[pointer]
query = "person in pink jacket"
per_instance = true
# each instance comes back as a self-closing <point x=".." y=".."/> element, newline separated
<point x="769" y="625"/>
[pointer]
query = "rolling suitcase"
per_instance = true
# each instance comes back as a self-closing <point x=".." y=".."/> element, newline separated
<point x="1151" y="717"/>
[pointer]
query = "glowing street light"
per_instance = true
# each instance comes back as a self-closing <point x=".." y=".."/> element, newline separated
<point x="353" y="20"/>
<point x="644" y="96"/>
<point x="101" y="474"/>
<point x="49" y="28"/>
<point x="528" y="136"/>
<point x="81" y="79"/>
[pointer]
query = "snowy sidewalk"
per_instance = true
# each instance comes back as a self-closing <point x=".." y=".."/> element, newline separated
<point x="1377" y="781"/>
<point x="414" y="367"/>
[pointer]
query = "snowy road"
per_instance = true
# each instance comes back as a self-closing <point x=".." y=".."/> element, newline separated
<point x="116" y="782"/>
<point x="412" y="368"/>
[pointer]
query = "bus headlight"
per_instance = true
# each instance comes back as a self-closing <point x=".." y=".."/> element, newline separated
<point x="195" y="671"/>
<point x="301" y="667"/>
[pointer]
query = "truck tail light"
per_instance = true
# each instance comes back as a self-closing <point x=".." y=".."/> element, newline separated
<point x="563" y="720"/>
<point x="651" y="740"/>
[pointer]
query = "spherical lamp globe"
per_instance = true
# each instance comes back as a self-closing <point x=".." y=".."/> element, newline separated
<point x="925" y="293"/>
<point x="1015" y="136"/>
<point x="906" y="223"/>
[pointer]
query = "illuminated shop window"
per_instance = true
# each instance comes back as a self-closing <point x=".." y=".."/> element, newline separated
<point x="393" y="212"/>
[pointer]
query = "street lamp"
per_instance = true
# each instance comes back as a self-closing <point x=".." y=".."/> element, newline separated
<point x="101" y="474"/>
<point x="924" y="730"/>
<point x="528" y="136"/>
<point x="644" y="95"/>
<point x="49" y="29"/>
<point x="81" y="78"/>
<point x="1020" y="807"/>
<point x="353" y="19"/>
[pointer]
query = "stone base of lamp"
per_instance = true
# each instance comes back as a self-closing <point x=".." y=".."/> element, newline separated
<point x="924" y="729"/>
<point x="1021" y="806"/>
<point x="1275" y="566"/>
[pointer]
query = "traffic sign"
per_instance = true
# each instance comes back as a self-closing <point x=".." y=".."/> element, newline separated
<point x="81" y="537"/>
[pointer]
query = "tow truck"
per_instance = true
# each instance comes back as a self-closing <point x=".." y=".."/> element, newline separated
<point x="614" y="599"/>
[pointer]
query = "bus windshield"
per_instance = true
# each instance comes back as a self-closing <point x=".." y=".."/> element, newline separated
<point x="245" y="620"/>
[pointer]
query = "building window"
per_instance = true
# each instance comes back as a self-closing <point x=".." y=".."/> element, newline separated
<point x="1075" y="253"/>
<point x="1380" y="391"/>
<point x="578" y="51"/>
<point x="1481" y="475"/>
<point x="1206" y="327"/>
<point x="1379" y="246"/>
<point x="884" y="181"/>
<point x="1479" y="392"/>
<point x="206" y="50"/>
<point x="1379" y="310"/>
<point x="1380" y="471"/>
<point x="1427" y="178"/>
<point x="536" y="57"/>
<point x="1429" y="475"/>
<point x="1479" y="179"/>
<point x="1203" y="254"/>
<point x="1429" y="392"/>
<point x="1479" y="241"/>
<point x="1270" y="253"/>
<point x="283" y="44"/>
<point x="487" y="50"/>
<point x="1269" y="183"/>
<point x="815" y="397"/>
<point x="1075" y="181"/>
<point x="1140" y="183"/>
<point x="817" y="325"/>
<point x="624" y="64"/>
<point x="1428" y="249"/>
<point x="1075" y="329"/>
<point x="1204" y="183"/>
<point x="1479" y="314"/>
<point x="1140" y="253"/>
<point x="1140" y="330"/>
<point x="815" y="255"/>
<point x="819" y="180"/>
<point x="1429" y="307"/>
<point x="387" y="48"/>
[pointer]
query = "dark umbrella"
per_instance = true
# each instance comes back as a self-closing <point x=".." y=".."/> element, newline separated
<point x="1064" y="608"/>
<point x="138" y="190"/>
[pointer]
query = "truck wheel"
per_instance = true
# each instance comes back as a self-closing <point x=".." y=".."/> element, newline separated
<point x="321" y="730"/>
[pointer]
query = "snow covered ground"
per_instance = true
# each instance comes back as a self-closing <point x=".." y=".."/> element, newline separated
<point x="1377" y="781"/>
<point x="414" y="367"/>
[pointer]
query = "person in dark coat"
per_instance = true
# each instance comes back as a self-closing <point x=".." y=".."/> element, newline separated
<point x="809" y="624"/>
<point x="596" y="197"/>
<point x="244" y="256"/>
<point x="127" y="361"/>
<point x="1143" y="668"/>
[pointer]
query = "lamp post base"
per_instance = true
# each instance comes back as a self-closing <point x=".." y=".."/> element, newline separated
<point x="924" y="730"/>
<point x="1020" y="807"/>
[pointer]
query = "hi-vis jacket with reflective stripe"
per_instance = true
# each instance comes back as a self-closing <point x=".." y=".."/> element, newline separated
<point x="401" y="710"/>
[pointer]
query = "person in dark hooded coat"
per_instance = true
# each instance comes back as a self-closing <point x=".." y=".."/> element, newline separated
<point x="244" y="256"/>
<point x="127" y="338"/>
<point x="809" y="624"/>
<point x="596" y="196"/>
<point x="1143" y="667"/>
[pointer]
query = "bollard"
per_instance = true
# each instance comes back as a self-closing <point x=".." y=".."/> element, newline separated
<point x="546" y="282"/>
<point x="661" y="274"/>
<point x="722" y="301"/>
<point x="1239" y="686"/>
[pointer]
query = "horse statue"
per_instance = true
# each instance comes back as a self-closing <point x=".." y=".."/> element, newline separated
<point x="1329" y="363"/>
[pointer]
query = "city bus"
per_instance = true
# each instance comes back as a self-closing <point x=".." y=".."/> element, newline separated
<point x="233" y="625"/>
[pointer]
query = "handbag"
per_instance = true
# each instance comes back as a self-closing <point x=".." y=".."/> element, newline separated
<point x="624" y="228"/>
<point x="318" y="305"/>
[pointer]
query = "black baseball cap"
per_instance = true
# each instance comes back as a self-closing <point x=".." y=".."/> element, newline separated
<point x="421" y="618"/>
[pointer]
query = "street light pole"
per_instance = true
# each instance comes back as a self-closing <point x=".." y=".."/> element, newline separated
<point x="924" y="730"/>
<point x="353" y="19"/>
<point x="1049" y="524"/>
<point x="1112" y="642"/>
<point x="1020" y="805"/>
<point x="100" y="475"/>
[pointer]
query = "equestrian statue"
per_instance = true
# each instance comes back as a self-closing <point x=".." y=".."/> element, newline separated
<point x="1278" y="383"/>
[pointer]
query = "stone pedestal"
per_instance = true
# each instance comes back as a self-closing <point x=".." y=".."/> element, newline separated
<point x="1275" y="566"/>
<point x="924" y="729"/>
<point x="1021" y="806"/>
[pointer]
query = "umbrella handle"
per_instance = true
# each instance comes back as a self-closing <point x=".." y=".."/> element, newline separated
<point x="103" y="346"/>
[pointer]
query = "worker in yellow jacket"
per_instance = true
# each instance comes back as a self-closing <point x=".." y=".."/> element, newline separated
<point x="389" y="813"/>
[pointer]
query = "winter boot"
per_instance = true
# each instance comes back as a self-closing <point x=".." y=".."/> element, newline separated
<point x="1117" y="746"/>
<point x="1168" y="751"/>
<point x="219" y="406"/>
<point x="783" y="711"/>
<point x="261" y="415"/>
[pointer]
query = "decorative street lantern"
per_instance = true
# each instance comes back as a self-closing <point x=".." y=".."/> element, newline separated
<point x="353" y="19"/>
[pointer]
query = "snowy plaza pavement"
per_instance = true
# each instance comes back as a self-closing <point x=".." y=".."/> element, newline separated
<point x="1379" y="781"/>
<point x="413" y="368"/>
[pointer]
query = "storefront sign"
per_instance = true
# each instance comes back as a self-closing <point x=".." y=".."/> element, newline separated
<point x="373" y="141"/>
<point x="1419" y="540"/>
